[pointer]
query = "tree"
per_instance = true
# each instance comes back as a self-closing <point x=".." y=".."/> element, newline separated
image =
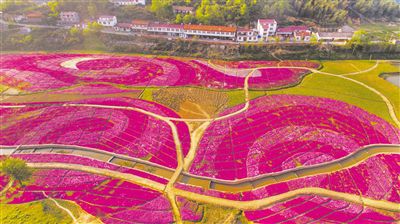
<point x="54" y="8"/>
<point x="314" y="39"/>
<point x="178" y="19"/>
<point x="162" y="8"/>
<point x="16" y="169"/>
<point x="188" y="18"/>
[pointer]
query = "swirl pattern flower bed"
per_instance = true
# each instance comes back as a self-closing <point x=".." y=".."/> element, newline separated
<point x="119" y="131"/>
<point x="39" y="72"/>
<point x="281" y="132"/>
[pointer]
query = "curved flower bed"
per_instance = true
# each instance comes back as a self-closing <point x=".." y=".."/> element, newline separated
<point x="116" y="130"/>
<point x="39" y="72"/>
<point x="111" y="200"/>
<point x="281" y="132"/>
<point x="305" y="209"/>
<point x="375" y="178"/>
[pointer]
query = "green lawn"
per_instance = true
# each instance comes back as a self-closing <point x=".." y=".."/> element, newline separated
<point x="346" y="66"/>
<point x="44" y="212"/>
<point x="350" y="92"/>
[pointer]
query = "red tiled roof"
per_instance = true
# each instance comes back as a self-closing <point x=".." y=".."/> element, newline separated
<point x="291" y="29"/>
<point x="303" y="33"/>
<point x="267" y="21"/>
<point x="166" y="25"/>
<point x="124" y="25"/>
<point x="210" y="28"/>
<point x="243" y="29"/>
<point x="140" y="22"/>
<point x="34" y="15"/>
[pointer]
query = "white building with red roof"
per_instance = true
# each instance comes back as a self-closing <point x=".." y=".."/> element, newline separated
<point x="107" y="20"/>
<point x="266" y="27"/>
<point x="69" y="17"/>
<point x="298" y="33"/>
<point x="166" y="28"/>
<point x="128" y="2"/>
<point x="206" y="31"/>
<point x="123" y="27"/>
<point x="140" y="25"/>
<point x="246" y="35"/>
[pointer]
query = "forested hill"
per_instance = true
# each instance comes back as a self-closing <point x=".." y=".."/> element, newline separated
<point x="241" y="12"/>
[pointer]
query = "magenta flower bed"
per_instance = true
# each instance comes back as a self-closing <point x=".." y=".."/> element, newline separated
<point x="305" y="209"/>
<point x="281" y="132"/>
<point x="40" y="72"/>
<point x="116" y="130"/>
<point x="110" y="200"/>
<point x="375" y="178"/>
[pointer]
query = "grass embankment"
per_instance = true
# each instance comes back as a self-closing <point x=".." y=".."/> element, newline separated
<point x="43" y="211"/>
<point x="344" y="90"/>
<point x="340" y="89"/>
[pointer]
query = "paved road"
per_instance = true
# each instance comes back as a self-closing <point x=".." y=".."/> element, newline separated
<point x="234" y="186"/>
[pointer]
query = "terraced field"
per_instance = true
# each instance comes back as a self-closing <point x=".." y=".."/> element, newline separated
<point x="148" y="139"/>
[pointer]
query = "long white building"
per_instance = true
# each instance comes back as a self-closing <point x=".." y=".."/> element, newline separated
<point x="107" y="20"/>
<point x="128" y="2"/>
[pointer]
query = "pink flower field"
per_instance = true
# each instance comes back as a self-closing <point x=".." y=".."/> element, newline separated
<point x="111" y="200"/>
<point x="325" y="160"/>
<point x="281" y="132"/>
<point x="43" y="72"/>
<point x="119" y="131"/>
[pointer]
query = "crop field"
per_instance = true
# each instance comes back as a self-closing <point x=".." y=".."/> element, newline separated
<point x="151" y="139"/>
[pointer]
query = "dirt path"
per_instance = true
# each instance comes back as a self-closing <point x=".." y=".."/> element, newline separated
<point x="61" y="207"/>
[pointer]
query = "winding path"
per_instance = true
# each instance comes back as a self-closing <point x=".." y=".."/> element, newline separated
<point x="232" y="186"/>
<point x="242" y="205"/>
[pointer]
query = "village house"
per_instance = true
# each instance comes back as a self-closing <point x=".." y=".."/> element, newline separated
<point x="182" y="9"/>
<point x="34" y="17"/>
<point x="69" y="17"/>
<point x="139" y="25"/>
<point x="215" y="32"/>
<point x="166" y="28"/>
<point x="266" y="28"/>
<point x="123" y="27"/>
<point x="128" y="2"/>
<point x="106" y="20"/>
<point x="342" y="35"/>
<point x="297" y="33"/>
<point x="19" y="18"/>
<point x="246" y="35"/>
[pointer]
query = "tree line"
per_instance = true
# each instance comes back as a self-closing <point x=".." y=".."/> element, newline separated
<point x="242" y="12"/>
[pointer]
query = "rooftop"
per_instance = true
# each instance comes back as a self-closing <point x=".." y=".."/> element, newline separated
<point x="336" y="34"/>
<point x="165" y="25"/>
<point x="124" y="25"/>
<point x="182" y="8"/>
<point x="292" y="29"/>
<point x="34" y="15"/>
<point x="266" y="22"/>
<point x="140" y="22"/>
<point x="210" y="28"/>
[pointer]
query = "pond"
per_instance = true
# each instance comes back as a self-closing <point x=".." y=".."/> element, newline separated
<point x="392" y="78"/>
